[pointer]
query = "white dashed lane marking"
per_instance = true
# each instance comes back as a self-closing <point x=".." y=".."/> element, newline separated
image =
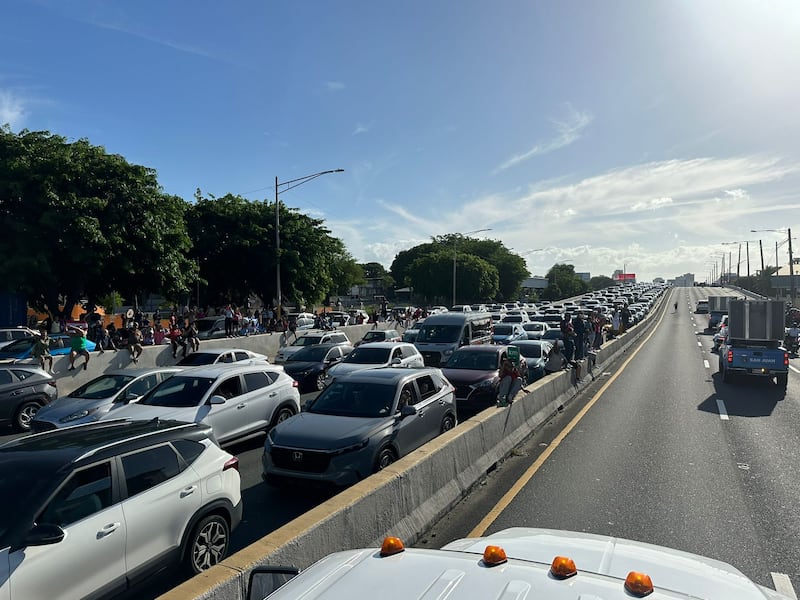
<point x="706" y="365"/>
<point x="699" y="344"/>
<point x="723" y="412"/>
<point x="783" y="585"/>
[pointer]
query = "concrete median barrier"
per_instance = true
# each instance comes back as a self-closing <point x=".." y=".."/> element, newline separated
<point x="409" y="496"/>
<point x="161" y="356"/>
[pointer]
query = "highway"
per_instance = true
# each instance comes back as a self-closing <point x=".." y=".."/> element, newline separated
<point x="658" y="449"/>
<point x="661" y="450"/>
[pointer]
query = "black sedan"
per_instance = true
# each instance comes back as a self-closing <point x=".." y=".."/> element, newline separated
<point x="474" y="372"/>
<point x="309" y="365"/>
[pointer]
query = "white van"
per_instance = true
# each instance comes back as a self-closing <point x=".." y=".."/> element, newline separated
<point x="441" y="335"/>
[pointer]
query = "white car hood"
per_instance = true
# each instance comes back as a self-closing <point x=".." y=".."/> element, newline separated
<point x="145" y="413"/>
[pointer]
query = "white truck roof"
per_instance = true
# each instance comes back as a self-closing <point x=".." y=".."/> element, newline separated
<point x="458" y="571"/>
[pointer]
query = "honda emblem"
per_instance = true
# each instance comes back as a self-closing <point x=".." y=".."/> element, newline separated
<point x="297" y="456"/>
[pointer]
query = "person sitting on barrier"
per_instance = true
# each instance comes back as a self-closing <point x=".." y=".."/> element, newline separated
<point x="41" y="351"/>
<point x="555" y="359"/>
<point x="510" y="382"/>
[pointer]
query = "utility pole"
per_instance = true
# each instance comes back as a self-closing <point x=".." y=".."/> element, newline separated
<point x="791" y="269"/>
<point x="747" y="249"/>
<point x="738" y="264"/>
<point x="761" y="248"/>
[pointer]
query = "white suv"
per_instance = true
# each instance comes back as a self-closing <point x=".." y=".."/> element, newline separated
<point x="88" y="511"/>
<point x="237" y="400"/>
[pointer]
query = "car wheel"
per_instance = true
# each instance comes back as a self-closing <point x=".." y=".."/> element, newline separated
<point x="385" y="457"/>
<point x="25" y="414"/>
<point x="320" y="381"/>
<point x="782" y="379"/>
<point x="284" y="412"/>
<point x="726" y="375"/>
<point x="448" y="423"/>
<point x="208" y="544"/>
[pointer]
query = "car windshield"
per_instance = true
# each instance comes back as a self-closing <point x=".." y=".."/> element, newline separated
<point x="203" y="325"/>
<point x="198" y="358"/>
<point x="373" y="336"/>
<point x="355" y="399"/>
<point x="179" y="391"/>
<point x="309" y="354"/>
<point x="364" y="355"/>
<point x="503" y="330"/>
<point x="533" y="327"/>
<point x="439" y="334"/>
<point x="552" y="334"/>
<point x="104" y="386"/>
<point x="307" y="340"/>
<point x="530" y="350"/>
<point x="478" y="361"/>
<point x="18" y="346"/>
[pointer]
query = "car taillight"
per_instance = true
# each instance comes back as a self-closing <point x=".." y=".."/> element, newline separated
<point x="785" y="359"/>
<point x="294" y="383"/>
<point x="231" y="463"/>
<point x="730" y="355"/>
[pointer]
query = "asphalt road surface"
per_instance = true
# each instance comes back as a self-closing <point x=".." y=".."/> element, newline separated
<point x="661" y="450"/>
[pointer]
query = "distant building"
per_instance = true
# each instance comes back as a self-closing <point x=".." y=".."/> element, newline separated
<point x="685" y="280"/>
<point x="658" y="280"/>
<point x="781" y="280"/>
<point x="534" y="283"/>
<point x="585" y="276"/>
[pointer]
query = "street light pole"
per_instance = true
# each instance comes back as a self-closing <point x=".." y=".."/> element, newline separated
<point x="293" y="183"/>
<point x="455" y="253"/>
<point x="791" y="259"/>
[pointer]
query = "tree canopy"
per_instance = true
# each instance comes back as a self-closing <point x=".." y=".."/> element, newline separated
<point x="485" y="269"/>
<point x="79" y="222"/>
<point x="563" y="283"/>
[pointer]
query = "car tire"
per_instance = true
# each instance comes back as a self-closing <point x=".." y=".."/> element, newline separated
<point x="208" y="544"/>
<point x="447" y="423"/>
<point x="24" y="415"/>
<point x="782" y="379"/>
<point x="385" y="457"/>
<point x="320" y="381"/>
<point x="726" y="375"/>
<point x="283" y="413"/>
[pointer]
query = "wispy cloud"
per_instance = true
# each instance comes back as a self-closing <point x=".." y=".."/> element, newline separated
<point x="334" y="86"/>
<point x="568" y="130"/>
<point x="651" y="204"/>
<point x="169" y="43"/>
<point x="362" y="128"/>
<point x="13" y="111"/>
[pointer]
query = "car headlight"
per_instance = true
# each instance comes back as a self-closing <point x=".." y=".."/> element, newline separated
<point x="270" y="439"/>
<point x="77" y="415"/>
<point x="485" y="384"/>
<point x="353" y="448"/>
<point x="447" y="353"/>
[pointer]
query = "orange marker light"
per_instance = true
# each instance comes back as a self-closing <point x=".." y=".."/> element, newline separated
<point x="494" y="555"/>
<point x="563" y="567"/>
<point x="638" y="584"/>
<point x="392" y="545"/>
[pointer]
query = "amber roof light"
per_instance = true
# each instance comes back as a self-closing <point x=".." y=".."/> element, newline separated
<point x="638" y="584"/>
<point x="494" y="555"/>
<point x="392" y="545"/>
<point x="563" y="567"/>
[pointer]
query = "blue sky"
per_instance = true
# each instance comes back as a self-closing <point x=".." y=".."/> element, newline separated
<point x="602" y="134"/>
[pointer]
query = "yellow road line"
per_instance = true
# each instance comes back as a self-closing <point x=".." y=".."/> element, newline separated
<point x="508" y="497"/>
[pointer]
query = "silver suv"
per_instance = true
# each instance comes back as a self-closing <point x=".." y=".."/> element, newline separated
<point x="237" y="400"/>
<point x="88" y="511"/>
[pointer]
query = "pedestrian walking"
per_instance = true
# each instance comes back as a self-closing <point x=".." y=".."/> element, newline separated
<point x="41" y="351"/>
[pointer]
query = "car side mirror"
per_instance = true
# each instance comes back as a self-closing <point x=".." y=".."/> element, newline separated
<point x="265" y="580"/>
<point x="131" y="397"/>
<point x="396" y="361"/>
<point x="408" y="411"/>
<point x="44" y="534"/>
<point x="216" y="399"/>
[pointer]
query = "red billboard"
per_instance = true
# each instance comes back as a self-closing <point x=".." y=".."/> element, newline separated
<point x="625" y="277"/>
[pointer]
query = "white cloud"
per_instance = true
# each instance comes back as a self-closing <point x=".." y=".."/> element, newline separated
<point x="334" y="86"/>
<point x="569" y="131"/>
<point x="362" y="128"/>
<point x="12" y="109"/>
<point x="651" y="204"/>
<point x="658" y="218"/>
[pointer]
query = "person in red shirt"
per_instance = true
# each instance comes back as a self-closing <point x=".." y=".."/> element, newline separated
<point x="176" y="339"/>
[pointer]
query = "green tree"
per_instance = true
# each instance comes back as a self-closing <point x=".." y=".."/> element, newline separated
<point x="235" y="246"/>
<point x="563" y="283"/>
<point x="600" y="282"/>
<point x="78" y="222"/>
